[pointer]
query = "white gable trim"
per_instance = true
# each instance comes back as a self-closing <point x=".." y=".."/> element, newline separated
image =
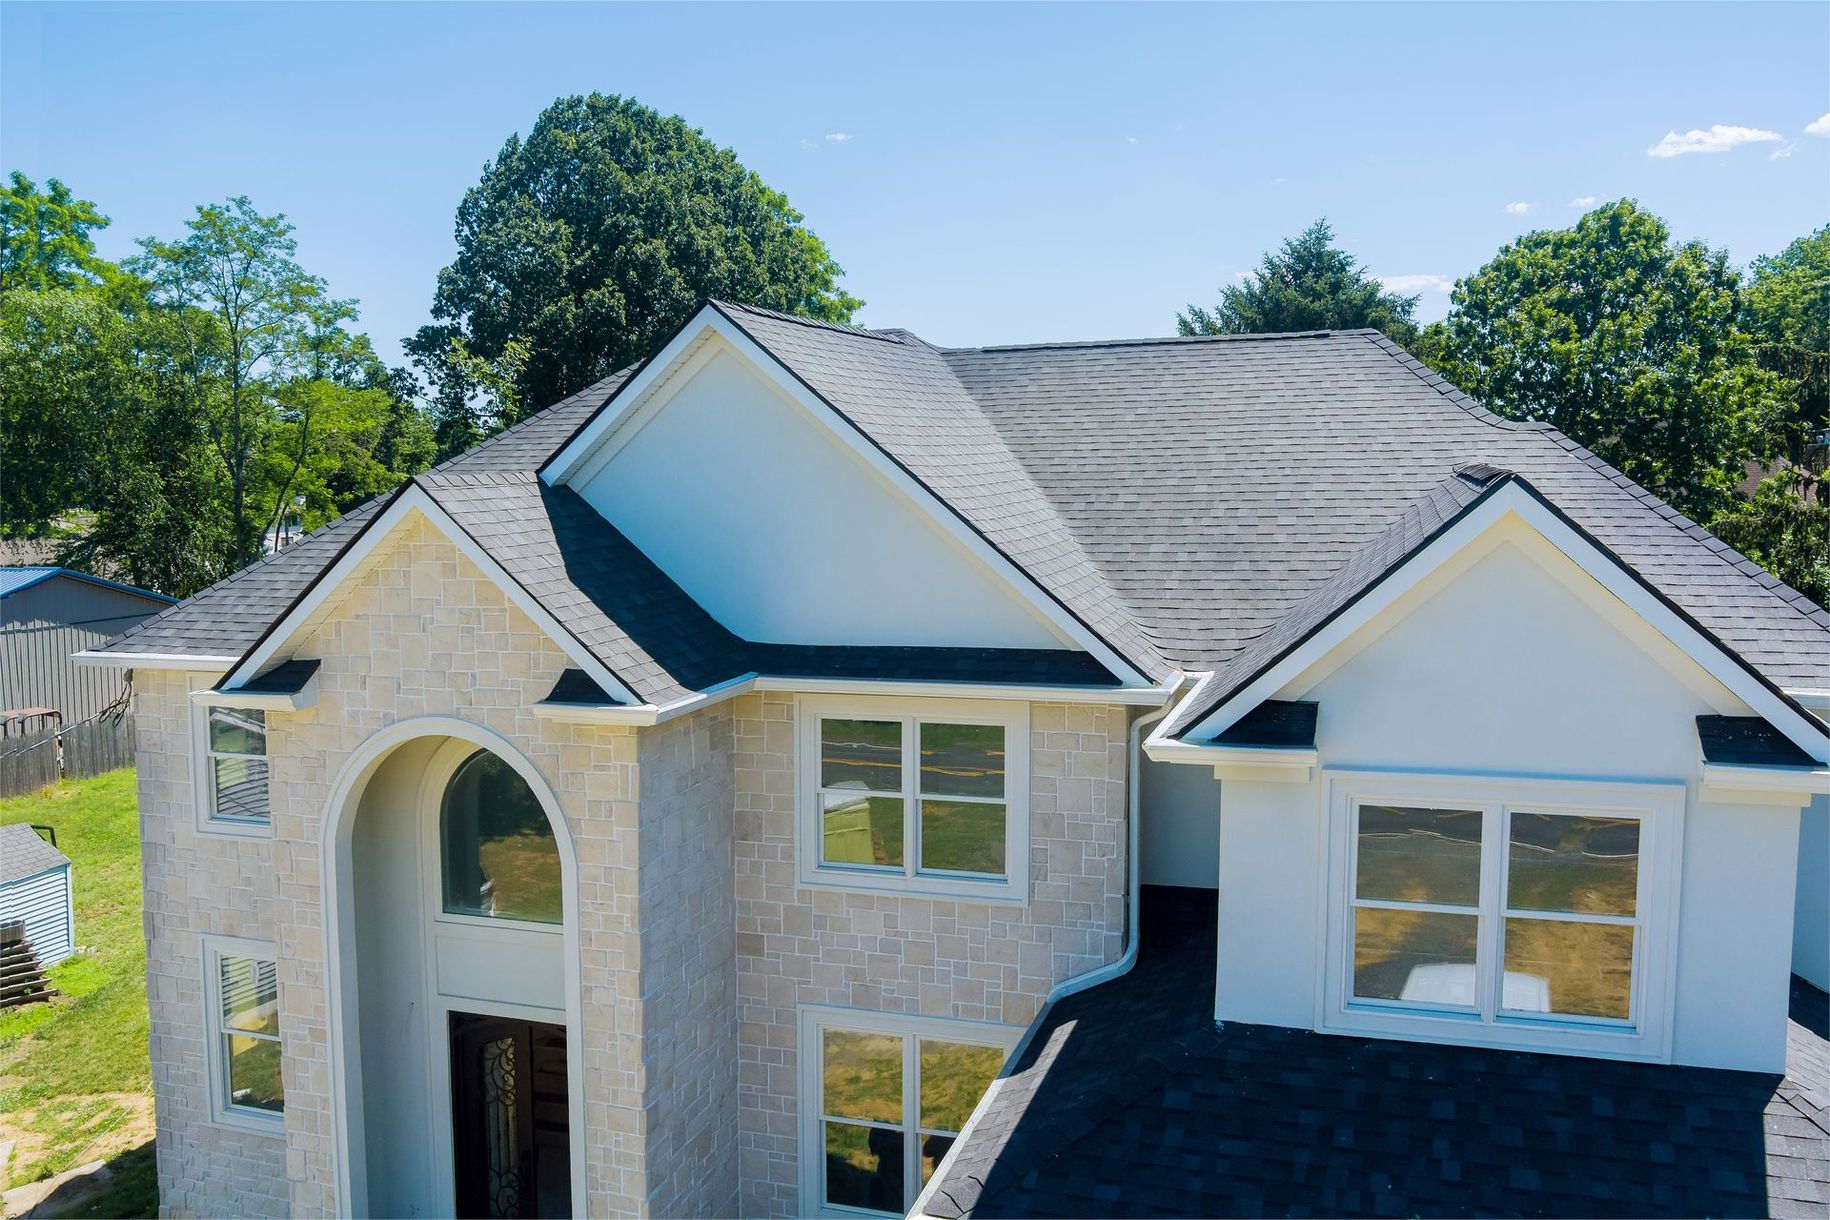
<point x="1515" y="499"/>
<point x="411" y="500"/>
<point x="646" y="394"/>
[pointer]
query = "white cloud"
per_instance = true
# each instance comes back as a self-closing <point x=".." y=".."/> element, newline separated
<point x="1783" y="151"/>
<point x="1130" y="139"/>
<point x="1519" y="209"/>
<point x="1717" y="139"/>
<point x="1819" y="126"/>
<point x="1417" y="283"/>
<point x="838" y="137"/>
<point x="1582" y="201"/>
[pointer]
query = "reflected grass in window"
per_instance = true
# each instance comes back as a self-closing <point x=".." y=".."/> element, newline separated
<point x="860" y="829"/>
<point x="861" y="1075"/>
<point x="1570" y="968"/>
<point x="954" y="1075"/>
<point x="254" y="1073"/>
<point x="962" y="759"/>
<point x="1425" y="957"/>
<point x="1583" y="865"/>
<point x="1419" y="855"/>
<point x="500" y="859"/>
<point x="962" y="837"/>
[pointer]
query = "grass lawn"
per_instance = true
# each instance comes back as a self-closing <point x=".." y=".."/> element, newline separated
<point x="75" y="1082"/>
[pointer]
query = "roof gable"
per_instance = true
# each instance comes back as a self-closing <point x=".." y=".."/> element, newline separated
<point x="1425" y="539"/>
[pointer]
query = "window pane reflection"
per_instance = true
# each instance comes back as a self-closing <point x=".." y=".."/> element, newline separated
<point x="1419" y="855"/>
<point x="1422" y="957"/>
<point x="1585" y="865"/>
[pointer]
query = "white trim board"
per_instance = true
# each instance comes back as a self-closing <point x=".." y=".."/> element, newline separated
<point x="1514" y="500"/>
<point x="155" y="660"/>
<point x="645" y="394"/>
<point x="376" y="534"/>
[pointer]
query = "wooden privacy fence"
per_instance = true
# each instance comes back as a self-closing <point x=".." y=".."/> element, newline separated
<point x="87" y="748"/>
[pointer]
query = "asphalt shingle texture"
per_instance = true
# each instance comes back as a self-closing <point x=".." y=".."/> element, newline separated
<point x="25" y="853"/>
<point x="1129" y="1103"/>
<point x="1181" y="497"/>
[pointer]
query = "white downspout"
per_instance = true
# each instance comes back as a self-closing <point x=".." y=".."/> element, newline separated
<point x="1134" y="864"/>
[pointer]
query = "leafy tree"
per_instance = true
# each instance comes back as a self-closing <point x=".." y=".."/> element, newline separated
<point x="1310" y="284"/>
<point x="44" y="237"/>
<point x="588" y="242"/>
<point x="1625" y="340"/>
<point x="1787" y="308"/>
<point x="1785" y="527"/>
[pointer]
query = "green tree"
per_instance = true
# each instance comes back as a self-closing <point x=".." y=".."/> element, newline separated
<point x="1787" y="309"/>
<point x="1625" y="340"/>
<point x="1309" y="284"/>
<point x="591" y="240"/>
<point x="44" y="237"/>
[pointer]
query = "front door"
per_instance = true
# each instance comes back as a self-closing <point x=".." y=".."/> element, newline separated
<point x="510" y="1125"/>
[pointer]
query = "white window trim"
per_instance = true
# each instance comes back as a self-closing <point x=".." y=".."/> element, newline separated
<point x="440" y="771"/>
<point x="1012" y="717"/>
<point x="814" y="1019"/>
<point x="203" y="783"/>
<point x="1659" y="807"/>
<point x="222" y="1112"/>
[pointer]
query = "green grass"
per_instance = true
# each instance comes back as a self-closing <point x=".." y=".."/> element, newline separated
<point x="74" y="1074"/>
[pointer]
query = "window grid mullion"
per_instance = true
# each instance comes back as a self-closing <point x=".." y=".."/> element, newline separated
<point x="911" y="1119"/>
<point x="1489" y="958"/>
<point x="911" y="799"/>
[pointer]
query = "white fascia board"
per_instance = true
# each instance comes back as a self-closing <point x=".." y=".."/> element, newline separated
<point x="1812" y="700"/>
<point x="643" y="394"/>
<point x="1795" y="787"/>
<point x="261" y="701"/>
<point x="414" y="499"/>
<point x="155" y="660"/>
<point x="1513" y="499"/>
<point x="1137" y="696"/>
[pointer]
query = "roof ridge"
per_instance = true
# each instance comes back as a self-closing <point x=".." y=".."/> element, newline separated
<point x="1156" y="341"/>
<point x="812" y="323"/>
<point x="1809" y="610"/>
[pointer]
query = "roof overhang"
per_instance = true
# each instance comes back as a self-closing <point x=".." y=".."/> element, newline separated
<point x="408" y="501"/>
<point x="204" y="663"/>
<point x="291" y="686"/>
<point x="646" y="391"/>
<point x="1515" y="497"/>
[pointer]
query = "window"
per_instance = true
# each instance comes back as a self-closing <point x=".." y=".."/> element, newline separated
<point x="499" y="859"/>
<point x="885" y="1098"/>
<point x="243" y="999"/>
<point x="934" y="800"/>
<point x="236" y="749"/>
<point x="1534" y="913"/>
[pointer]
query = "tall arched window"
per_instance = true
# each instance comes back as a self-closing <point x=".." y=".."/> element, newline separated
<point x="500" y="858"/>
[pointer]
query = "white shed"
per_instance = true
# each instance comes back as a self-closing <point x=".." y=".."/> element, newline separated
<point x="35" y="892"/>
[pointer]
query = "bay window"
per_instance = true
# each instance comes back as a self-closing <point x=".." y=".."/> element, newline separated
<point x="1530" y="913"/>
<point x="920" y="795"/>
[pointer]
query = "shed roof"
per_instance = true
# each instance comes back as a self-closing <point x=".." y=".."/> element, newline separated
<point x="24" y="853"/>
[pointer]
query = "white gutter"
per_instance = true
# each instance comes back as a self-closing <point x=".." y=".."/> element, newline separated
<point x="154" y="660"/>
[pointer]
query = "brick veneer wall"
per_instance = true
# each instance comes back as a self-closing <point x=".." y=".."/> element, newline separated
<point x="895" y="953"/>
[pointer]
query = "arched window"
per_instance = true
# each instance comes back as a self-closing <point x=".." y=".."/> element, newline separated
<point x="500" y="858"/>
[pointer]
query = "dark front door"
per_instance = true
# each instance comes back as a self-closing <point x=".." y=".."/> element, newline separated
<point x="510" y="1125"/>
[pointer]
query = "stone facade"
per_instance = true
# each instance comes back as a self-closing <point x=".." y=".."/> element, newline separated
<point x="695" y="944"/>
<point x="901" y="953"/>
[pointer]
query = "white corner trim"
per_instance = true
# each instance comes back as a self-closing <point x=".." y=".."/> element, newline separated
<point x="415" y="500"/>
<point x="263" y="701"/>
<point x="1793" y="787"/>
<point x="641" y="396"/>
<point x="154" y="660"/>
<point x="1513" y="500"/>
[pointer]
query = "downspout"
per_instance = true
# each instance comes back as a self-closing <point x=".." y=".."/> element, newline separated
<point x="1134" y="868"/>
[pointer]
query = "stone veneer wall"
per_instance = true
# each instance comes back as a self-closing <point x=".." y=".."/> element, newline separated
<point x="422" y="632"/>
<point x="896" y="953"/>
<point x="688" y="935"/>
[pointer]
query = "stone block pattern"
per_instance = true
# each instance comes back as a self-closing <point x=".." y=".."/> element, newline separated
<point x="689" y="998"/>
<point x="898" y="953"/>
<point x="421" y="632"/>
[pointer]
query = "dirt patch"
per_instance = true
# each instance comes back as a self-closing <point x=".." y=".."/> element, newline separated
<point x="58" y="1135"/>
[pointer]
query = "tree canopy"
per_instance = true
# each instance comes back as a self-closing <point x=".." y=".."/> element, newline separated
<point x="589" y="241"/>
<point x="1308" y="284"/>
<point x="1626" y="340"/>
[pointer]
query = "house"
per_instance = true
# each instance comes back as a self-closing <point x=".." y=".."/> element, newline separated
<point x="37" y="911"/>
<point x="686" y="802"/>
<point x="46" y="615"/>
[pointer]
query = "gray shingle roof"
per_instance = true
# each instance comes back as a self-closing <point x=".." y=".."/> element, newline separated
<point x="24" y="853"/>
<point x="1180" y="497"/>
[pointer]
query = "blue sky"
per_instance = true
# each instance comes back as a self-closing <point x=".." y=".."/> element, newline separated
<point x="985" y="174"/>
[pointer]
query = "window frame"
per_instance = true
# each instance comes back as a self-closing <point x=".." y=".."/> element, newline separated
<point x="1012" y="717"/>
<point x="440" y="771"/>
<point x="815" y="1020"/>
<point x="223" y="1112"/>
<point x="203" y="771"/>
<point x="1644" y="1034"/>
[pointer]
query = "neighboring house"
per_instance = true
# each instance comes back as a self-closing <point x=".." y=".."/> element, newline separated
<point x="684" y="803"/>
<point x="35" y="894"/>
<point x="46" y="615"/>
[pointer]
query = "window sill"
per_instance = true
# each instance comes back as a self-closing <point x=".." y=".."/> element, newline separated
<point x="939" y="889"/>
<point x="222" y="828"/>
<point x="1538" y="1035"/>
<point x="249" y="1122"/>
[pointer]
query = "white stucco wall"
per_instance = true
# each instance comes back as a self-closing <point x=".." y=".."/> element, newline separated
<point x="1811" y="927"/>
<point x="1499" y="668"/>
<point x="786" y="537"/>
<point x="1179" y="808"/>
